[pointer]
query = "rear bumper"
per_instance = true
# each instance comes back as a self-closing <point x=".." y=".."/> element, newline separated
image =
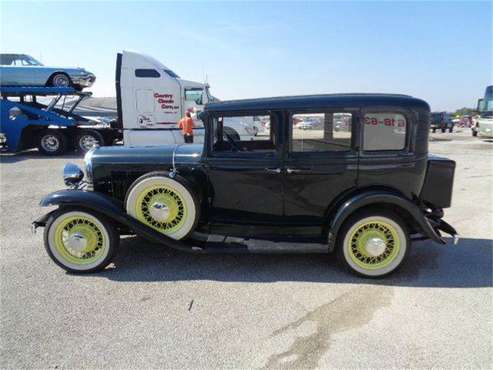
<point x="440" y="226"/>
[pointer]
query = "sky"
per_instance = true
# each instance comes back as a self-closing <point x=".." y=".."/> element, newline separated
<point x="439" y="51"/>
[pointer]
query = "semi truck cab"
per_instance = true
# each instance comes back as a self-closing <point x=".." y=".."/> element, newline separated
<point x="484" y="125"/>
<point x="151" y="99"/>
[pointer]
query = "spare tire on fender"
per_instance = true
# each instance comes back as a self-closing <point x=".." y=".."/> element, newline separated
<point x="166" y="204"/>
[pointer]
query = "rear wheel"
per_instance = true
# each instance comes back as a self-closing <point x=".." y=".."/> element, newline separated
<point x="79" y="240"/>
<point x="87" y="139"/>
<point x="163" y="203"/>
<point x="52" y="142"/>
<point x="373" y="243"/>
<point x="474" y="133"/>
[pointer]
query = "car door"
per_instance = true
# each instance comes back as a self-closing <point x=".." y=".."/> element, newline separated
<point x="321" y="163"/>
<point x="245" y="175"/>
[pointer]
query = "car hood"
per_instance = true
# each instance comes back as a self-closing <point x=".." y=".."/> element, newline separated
<point x="184" y="154"/>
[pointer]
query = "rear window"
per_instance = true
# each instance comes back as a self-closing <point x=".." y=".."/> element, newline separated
<point x="384" y="131"/>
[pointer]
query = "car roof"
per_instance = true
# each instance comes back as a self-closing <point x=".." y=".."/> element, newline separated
<point x="317" y="101"/>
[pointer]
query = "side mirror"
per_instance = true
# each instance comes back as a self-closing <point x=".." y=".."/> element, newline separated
<point x="72" y="174"/>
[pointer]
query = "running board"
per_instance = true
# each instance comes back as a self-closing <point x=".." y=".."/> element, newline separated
<point x="211" y="243"/>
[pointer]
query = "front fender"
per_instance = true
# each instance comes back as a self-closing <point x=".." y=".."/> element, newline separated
<point x="108" y="207"/>
<point x="377" y="197"/>
<point x="87" y="199"/>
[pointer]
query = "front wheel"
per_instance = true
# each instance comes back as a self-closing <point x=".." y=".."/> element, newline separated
<point x="373" y="243"/>
<point x="79" y="240"/>
<point x="61" y="80"/>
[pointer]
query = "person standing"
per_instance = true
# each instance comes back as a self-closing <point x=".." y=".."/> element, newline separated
<point x="186" y="126"/>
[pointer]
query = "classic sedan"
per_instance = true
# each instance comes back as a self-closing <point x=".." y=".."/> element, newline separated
<point x="24" y="70"/>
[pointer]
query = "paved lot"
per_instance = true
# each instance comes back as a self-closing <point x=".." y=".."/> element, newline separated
<point x="161" y="308"/>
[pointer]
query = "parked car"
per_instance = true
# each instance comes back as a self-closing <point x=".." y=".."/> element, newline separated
<point x="24" y="70"/>
<point x="306" y="124"/>
<point x="442" y="121"/>
<point x="364" y="195"/>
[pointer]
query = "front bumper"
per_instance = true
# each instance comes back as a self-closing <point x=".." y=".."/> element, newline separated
<point x="84" y="80"/>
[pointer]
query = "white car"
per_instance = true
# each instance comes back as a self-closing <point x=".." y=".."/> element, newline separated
<point x="305" y="125"/>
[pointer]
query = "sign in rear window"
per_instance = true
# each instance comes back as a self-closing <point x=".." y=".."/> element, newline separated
<point x="384" y="131"/>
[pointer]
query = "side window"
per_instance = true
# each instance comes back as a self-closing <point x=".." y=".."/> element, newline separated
<point x="194" y="95"/>
<point x="321" y="132"/>
<point x="245" y="133"/>
<point x="384" y="131"/>
<point x="147" y="73"/>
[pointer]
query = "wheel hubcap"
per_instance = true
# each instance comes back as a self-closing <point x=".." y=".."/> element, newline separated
<point x="375" y="246"/>
<point x="159" y="211"/>
<point x="50" y="143"/>
<point x="76" y="242"/>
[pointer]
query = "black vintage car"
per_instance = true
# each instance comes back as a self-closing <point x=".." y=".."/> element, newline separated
<point x="364" y="190"/>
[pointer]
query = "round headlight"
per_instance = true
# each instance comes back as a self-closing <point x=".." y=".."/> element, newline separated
<point x="72" y="174"/>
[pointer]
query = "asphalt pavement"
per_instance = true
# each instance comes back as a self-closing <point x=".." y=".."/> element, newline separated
<point x="158" y="308"/>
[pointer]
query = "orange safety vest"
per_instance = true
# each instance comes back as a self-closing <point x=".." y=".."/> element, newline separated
<point x="186" y="125"/>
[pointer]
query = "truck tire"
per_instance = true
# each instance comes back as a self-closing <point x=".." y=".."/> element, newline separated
<point x="85" y="140"/>
<point x="373" y="243"/>
<point x="166" y="204"/>
<point x="79" y="240"/>
<point x="52" y="142"/>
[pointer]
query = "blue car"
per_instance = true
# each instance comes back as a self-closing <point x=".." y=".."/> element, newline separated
<point x="24" y="70"/>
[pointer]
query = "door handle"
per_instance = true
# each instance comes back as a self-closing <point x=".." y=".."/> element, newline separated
<point x="273" y="170"/>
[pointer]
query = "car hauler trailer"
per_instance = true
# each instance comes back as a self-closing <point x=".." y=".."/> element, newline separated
<point x="28" y="121"/>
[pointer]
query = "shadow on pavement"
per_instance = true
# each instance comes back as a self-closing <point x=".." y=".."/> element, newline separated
<point x="468" y="265"/>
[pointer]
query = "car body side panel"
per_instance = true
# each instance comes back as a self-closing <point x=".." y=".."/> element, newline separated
<point x="35" y="75"/>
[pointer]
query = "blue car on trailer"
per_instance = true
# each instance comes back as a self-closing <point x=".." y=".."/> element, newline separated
<point x="44" y="117"/>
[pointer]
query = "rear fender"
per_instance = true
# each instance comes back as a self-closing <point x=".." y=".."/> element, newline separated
<point x="380" y="197"/>
<point x="108" y="207"/>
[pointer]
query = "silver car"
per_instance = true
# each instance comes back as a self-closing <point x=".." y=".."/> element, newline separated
<point x="24" y="70"/>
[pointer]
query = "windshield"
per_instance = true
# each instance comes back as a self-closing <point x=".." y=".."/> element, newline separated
<point x="18" y="60"/>
<point x="170" y="73"/>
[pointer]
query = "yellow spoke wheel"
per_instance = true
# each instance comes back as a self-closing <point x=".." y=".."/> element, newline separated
<point x="79" y="241"/>
<point x="373" y="244"/>
<point x="163" y="203"/>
